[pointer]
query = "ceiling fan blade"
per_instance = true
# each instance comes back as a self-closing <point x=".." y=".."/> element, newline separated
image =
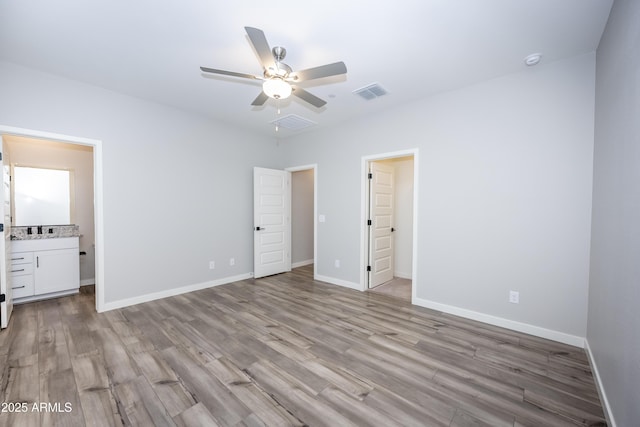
<point x="260" y="100"/>
<point x="309" y="97"/>
<point x="328" y="70"/>
<point x="259" y="42"/>
<point x="229" y="73"/>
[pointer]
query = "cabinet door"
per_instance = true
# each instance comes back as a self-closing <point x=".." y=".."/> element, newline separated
<point x="57" y="270"/>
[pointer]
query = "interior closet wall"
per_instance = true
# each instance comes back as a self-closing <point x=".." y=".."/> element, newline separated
<point x="302" y="217"/>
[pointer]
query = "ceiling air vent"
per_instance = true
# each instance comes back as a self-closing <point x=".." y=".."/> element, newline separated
<point x="371" y="91"/>
<point x="292" y="122"/>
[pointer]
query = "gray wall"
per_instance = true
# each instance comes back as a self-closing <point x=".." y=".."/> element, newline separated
<point x="302" y="216"/>
<point x="177" y="187"/>
<point x="613" y="332"/>
<point x="505" y="192"/>
<point x="505" y="174"/>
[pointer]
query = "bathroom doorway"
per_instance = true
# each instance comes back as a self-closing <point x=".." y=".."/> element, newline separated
<point x="91" y="264"/>
<point x="36" y="154"/>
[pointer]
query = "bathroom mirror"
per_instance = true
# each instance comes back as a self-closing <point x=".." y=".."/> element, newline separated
<point x="42" y="196"/>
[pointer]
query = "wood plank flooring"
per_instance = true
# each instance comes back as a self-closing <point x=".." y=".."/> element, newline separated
<point x="284" y="351"/>
<point x="397" y="287"/>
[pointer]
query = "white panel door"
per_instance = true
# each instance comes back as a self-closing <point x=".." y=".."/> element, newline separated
<point x="5" y="242"/>
<point x="271" y="221"/>
<point x="381" y="195"/>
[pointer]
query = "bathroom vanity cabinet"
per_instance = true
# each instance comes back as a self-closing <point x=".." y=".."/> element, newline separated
<point x="44" y="268"/>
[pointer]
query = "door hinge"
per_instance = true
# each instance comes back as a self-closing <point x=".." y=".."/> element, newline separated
<point x="368" y="268"/>
<point x="1" y="227"/>
<point x="0" y="156"/>
<point x="368" y="222"/>
<point x="370" y="176"/>
<point x="2" y="297"/>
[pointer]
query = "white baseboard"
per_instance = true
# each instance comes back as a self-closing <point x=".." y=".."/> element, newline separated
<point x="599" y="386"/>
<point x="86" y="282"/>
<point x="562" y="337"/>
<point x="33" y="298"/>
<point x="339" y="282"/>
<point x="172" y="292"/>
<point x="401" y="275"/>
<point x="301" y="263"/>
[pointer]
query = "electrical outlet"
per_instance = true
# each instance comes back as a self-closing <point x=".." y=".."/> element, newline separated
<point x="337" y="263"/>
<point x="232" y="261"/>
<point x="514" y="297"/>
<point x="212" y="265"/>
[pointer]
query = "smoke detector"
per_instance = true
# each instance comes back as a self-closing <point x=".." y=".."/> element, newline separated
<point x="533" y="59"/>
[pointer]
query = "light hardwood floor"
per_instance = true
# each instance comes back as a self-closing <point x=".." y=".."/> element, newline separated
<point x="397" y="287"/>
<point x="284" y="350"/>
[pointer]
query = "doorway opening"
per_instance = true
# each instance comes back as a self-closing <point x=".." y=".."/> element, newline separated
<point x="76" y="206"/>
<point x="303" y="217"/>
<point x="284" y="220"/>
<point x="389" y="207"/>
<point x="28" y="144"/>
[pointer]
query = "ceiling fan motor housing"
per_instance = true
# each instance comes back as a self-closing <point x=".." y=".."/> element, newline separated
<point x="281" y="69"/>
<point x="279" y="53"/>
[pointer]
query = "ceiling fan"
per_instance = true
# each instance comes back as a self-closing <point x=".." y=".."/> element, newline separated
<point x="278" y="78"/>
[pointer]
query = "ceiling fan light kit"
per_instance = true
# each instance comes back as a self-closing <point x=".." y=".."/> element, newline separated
<point x="276" y="88"/>
<point x="279" y="78"/>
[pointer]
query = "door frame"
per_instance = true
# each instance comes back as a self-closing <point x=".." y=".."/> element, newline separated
<point x="98" y="206"/>
<point x="5" y="240"/>
<point x="364" y="201"/>
<point x="314" y="167"/>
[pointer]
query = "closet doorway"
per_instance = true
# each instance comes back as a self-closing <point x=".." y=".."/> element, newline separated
<point x="303" y="217"/>
<point x="389" y="200"/>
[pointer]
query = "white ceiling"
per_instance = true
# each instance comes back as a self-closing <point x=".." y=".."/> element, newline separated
<point x="153" y="49"/>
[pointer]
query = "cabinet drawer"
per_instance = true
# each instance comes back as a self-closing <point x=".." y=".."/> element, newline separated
<point x="21" y="269"/>
<point x="22" y="286"/>
<point x="21" y="258"/>
<point x="35" y="245"/>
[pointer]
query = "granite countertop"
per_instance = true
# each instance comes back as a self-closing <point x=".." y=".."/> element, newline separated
<point x="48" y="232"/>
